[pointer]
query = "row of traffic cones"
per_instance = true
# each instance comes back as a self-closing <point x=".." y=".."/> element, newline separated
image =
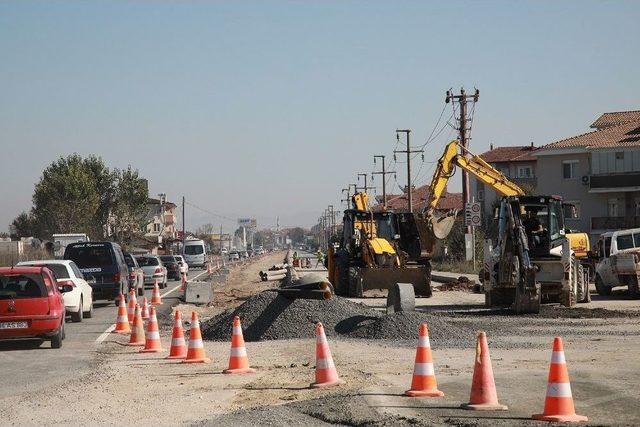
<point x="127" y="312"/>
<point x="558" y="405"/>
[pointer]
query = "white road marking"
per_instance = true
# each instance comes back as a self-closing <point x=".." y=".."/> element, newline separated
<point x="106" y="333"/>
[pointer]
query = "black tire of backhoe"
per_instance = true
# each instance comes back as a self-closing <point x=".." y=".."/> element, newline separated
<point x="341" y="288"/>
<point x="634" y="289"/>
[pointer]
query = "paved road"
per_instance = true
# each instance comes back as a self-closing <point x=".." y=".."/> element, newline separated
<point x="24" y="366"/>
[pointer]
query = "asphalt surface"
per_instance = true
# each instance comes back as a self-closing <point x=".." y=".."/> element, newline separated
<point x="26" y="366"/>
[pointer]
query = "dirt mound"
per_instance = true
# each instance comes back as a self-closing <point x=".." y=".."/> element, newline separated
<point x="404" y="326"/>
<point x="269" y="316"/>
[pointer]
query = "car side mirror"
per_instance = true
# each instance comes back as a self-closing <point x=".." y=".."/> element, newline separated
<point x="65" y="288"/>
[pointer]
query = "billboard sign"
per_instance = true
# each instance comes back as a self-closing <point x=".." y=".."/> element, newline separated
<point x="247" y="222"/>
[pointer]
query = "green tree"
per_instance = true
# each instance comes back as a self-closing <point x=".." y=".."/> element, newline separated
<point x="297" y="235"/>
<point x="24" y="225"/>
<point x="128" y="211"/>
<point x="67" y="198"/>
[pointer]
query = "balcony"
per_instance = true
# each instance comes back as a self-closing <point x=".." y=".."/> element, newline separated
<point x="620" y="182"/>
<point x="614" y="222"/>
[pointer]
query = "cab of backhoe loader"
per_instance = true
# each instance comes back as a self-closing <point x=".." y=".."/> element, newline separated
<point x="368" y="236"/>
<point x="543" y="220"/>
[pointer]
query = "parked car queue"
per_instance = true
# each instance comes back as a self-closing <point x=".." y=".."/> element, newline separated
<point x="36" y="296"/>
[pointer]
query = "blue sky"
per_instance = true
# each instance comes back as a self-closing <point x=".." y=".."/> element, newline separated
<point x="269" y="108"/>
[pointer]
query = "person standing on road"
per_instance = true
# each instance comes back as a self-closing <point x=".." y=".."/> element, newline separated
<point x="319" y="258"/>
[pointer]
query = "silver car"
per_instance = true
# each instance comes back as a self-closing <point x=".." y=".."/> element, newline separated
<point x="153" y="270"/>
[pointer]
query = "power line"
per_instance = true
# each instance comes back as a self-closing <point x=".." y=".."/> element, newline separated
<point x="210" y="213"/>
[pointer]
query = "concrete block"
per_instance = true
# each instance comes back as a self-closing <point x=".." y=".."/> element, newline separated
<point x="198" y="293"/>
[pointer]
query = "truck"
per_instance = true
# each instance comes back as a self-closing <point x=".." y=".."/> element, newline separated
<point x="617" y="255"/>
<point x="60" y="242"/>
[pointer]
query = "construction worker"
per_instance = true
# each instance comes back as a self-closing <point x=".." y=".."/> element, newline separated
<point x="319" y="258"/>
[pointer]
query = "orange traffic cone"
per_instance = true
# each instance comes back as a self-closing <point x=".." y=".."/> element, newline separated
<point x="152" y="343"/>
<point x="131" y="306"/>
<point x="144" y="309"/>
<point x="195" y="352"/>
<point x="137" y="334"/>
<point x="156" y="299"/>
<point x="326" y="373"/>
<point x="558" y="404"/>
<point x="484" y="396"/>
<point x="238" y="360"/>
<point x="184" y="282"/>
<point x="424" y="382"/>
<point x="122" y="322"/>
<point x="178" y="348"/>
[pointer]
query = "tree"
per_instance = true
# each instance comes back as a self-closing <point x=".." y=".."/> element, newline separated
<point x="128" y="211"/>
<point x="67" y="197"/>
<point x="296" y="235"/>
<point x="23" y="226"/>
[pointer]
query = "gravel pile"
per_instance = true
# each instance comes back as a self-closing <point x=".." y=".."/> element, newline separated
<point x="269" y="316"/>
<point x="404" y="326"/>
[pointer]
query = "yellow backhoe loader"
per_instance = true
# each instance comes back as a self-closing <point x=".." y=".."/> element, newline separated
<point x="535" y="258"/>
<point x="378" y="249"/>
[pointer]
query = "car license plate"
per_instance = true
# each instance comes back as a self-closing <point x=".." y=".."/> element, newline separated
<point x="13" y="325"/>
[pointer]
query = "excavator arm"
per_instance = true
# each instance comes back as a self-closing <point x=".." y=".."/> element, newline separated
<point x="453" y="156"/>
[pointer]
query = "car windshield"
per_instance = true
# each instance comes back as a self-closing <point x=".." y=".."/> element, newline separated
<point x="625" y="241"/>
<point x="167" y="258"/>
<point x="129" y="260"/>
<point x="59" y="270"/>
<point x="193" y="250"/>
<point x="20" y="286"/>
<point x="148" y="261"/>
<point x="93" y="256"/>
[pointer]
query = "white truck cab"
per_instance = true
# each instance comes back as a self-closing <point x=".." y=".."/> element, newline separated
<point x="618" y="254"/>
<point x="195" y="253"/>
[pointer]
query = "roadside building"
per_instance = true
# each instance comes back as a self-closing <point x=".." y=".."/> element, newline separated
<point x="400" y="202"/>
<point x="598" y="172"/>
<point x="516" y="162"/>
<point x="160" y="231"/>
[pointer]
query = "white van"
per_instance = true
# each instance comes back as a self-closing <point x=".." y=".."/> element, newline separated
<point x="195" y="253"/>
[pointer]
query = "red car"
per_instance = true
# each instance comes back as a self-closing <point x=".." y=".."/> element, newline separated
<point x="31" y="304"/>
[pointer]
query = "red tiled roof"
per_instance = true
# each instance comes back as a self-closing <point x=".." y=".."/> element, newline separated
<point x="615" y="118"/>
<point x="625" y="135"/>
<point x="516" y="153"/>
<point x="400" y="202"/>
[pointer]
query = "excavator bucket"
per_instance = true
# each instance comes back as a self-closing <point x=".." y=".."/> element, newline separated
<point x="442" y="225"/>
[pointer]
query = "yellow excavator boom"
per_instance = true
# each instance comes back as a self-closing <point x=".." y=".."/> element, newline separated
<point x="453" y="156"/>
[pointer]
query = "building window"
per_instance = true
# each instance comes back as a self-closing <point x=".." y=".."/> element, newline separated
<point x="570" y="169"/>
<point x="156" y="227"/>
<point x="525" y="172"/>
<point x="637" y="206"/>
<point x="612" y="207"/>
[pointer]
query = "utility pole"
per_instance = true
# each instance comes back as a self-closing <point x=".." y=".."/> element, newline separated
<point x="348" y="199"/>
<point x="384" y="174"/>
<point x="183" y="234"/>
<point x="408" y="151"/>
<point x="464" y="128"/>
<point x="366" y="187"/>
<point x="332" y="221"/>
